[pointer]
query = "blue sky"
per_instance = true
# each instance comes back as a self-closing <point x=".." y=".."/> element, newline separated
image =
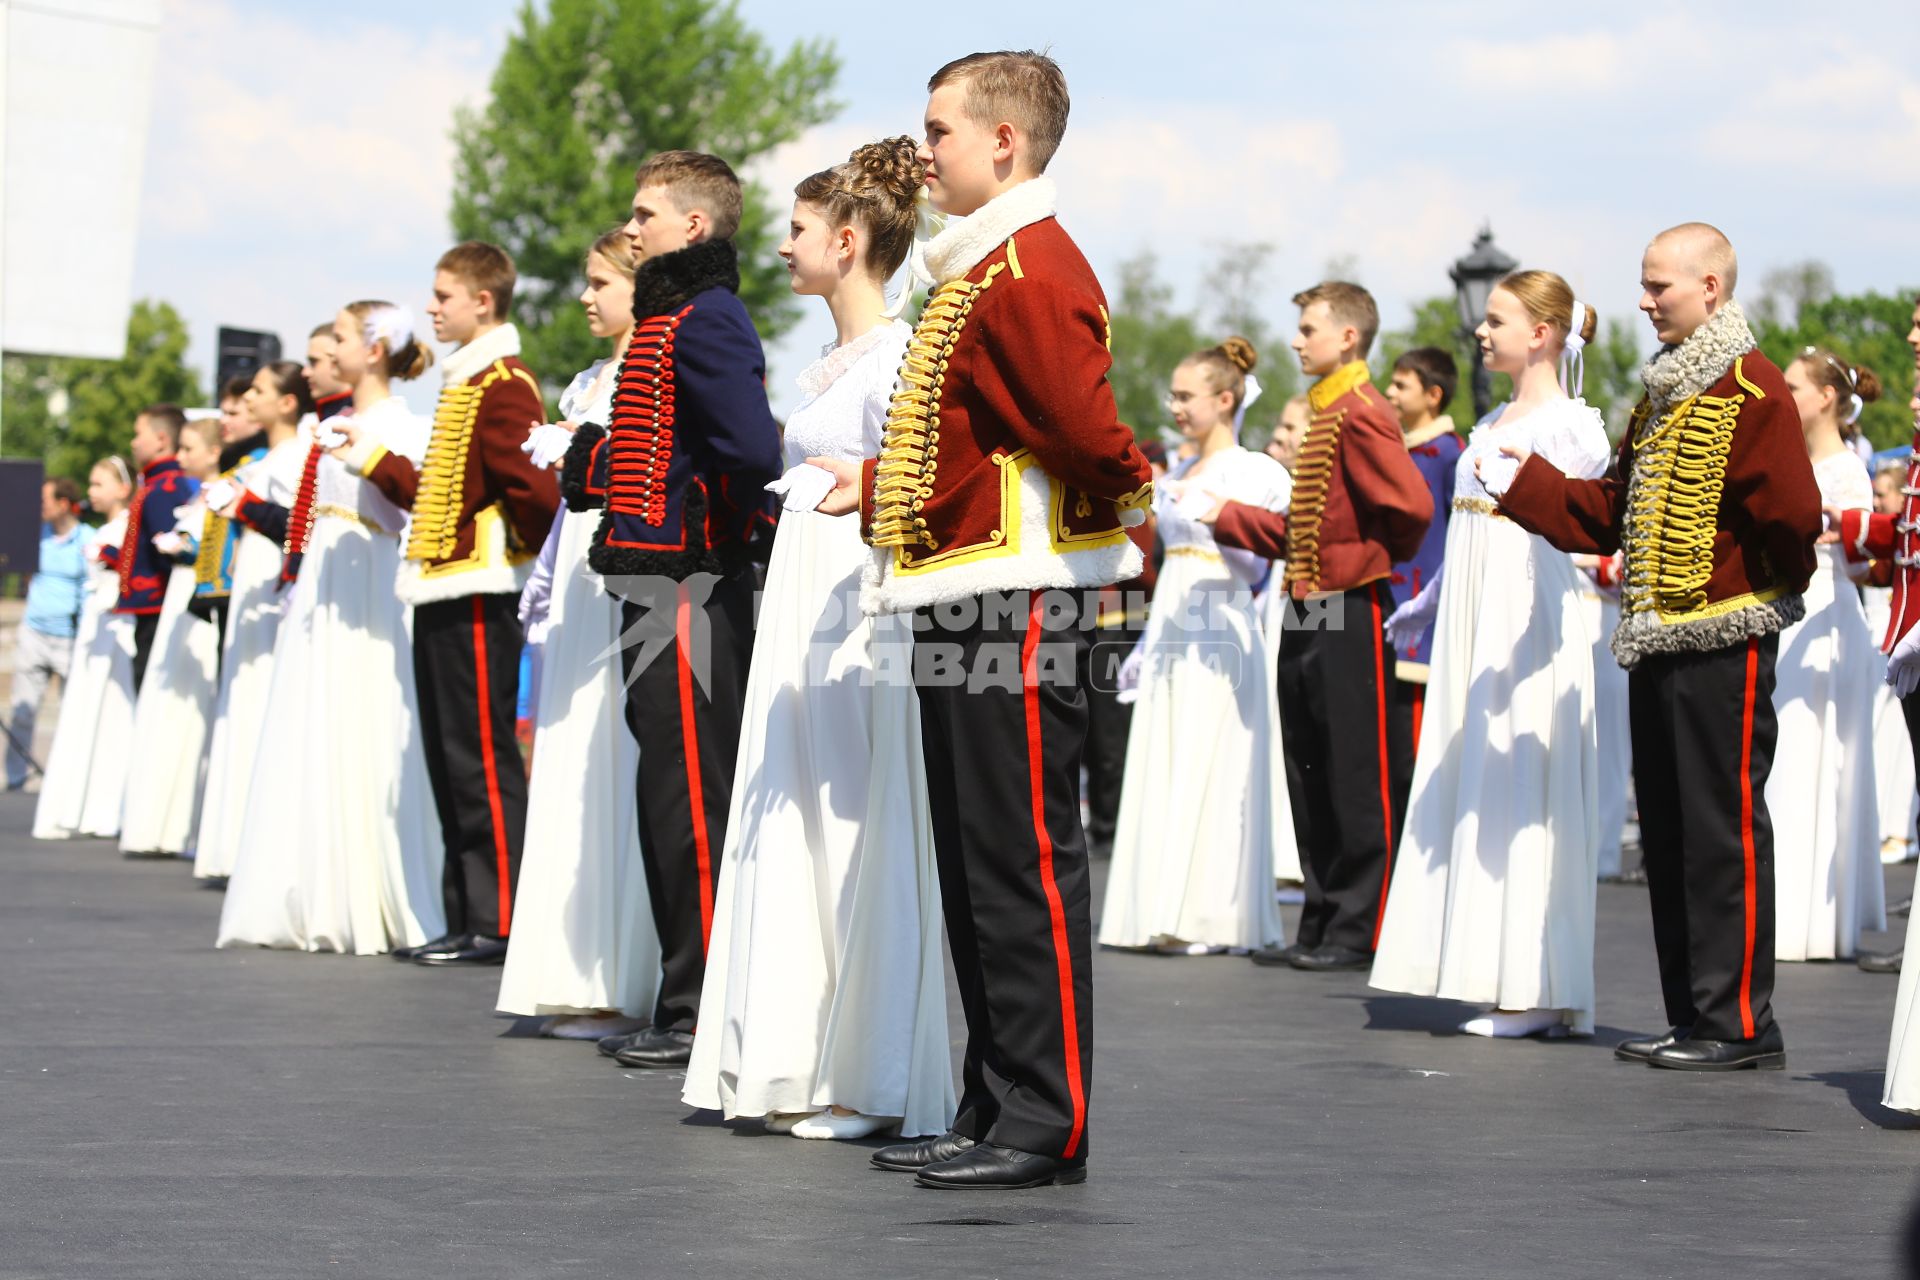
<point x="299" y="153"/>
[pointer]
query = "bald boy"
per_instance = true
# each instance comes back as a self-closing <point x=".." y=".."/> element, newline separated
<point x="1707" y="588"/>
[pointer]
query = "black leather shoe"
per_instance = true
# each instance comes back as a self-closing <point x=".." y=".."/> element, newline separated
<point x="1766" y="1051"/>
<point x="656" y="1050"/>
<point x="610" y="1046"/>
<point x="911" y="1157"/>
<point x="1641" y="1048"/>
<point x="479" y="949"/>
<point x="1332" y="959"/>
<point x="1879" y="961"/>
<point x="445" y="942"/>
<point x="990" y="1168"/>
<point x="1274" y="957"/>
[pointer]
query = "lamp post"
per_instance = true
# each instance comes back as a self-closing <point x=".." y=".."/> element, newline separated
<point x="1473" y="279"/>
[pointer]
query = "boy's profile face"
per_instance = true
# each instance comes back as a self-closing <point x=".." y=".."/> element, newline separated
<point x="1675" y="295"/>
<point x="1410" y="398"/>
<point x="147" y="443"/>
<point x="660" y="226"/>
<point x="1322" y="343"/>
<point x="962" y="158"/>
<point x="323" y="373"/>
<point x="457" y="311"/>
<point x="199" y="455"/>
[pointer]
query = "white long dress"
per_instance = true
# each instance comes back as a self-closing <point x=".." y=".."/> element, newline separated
<point x="1601" y="606"/>
<point x="1204" y="815"/>
<point x="340" y="849"/>
<point x="583" y="933"/>
<point x="87" y="765"/>
<point x="1828" y="882"/>
<point x="254" y="607"/>
<point x="1492" y="897"/>
<point x="171" y="717"/>
<point x="1893" y="779"/>
<point x="825" y="981"/>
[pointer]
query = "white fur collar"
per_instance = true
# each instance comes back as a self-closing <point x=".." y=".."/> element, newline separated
<point x="967" y="241"/>
<point x="495" y="344"/>
<point x="1682" y="371"/>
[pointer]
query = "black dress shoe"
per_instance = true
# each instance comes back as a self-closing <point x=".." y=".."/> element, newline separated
<point x="656" y="1050"/>
<point x="445" y="942"/>
<point x="990" y="1168"/>
<point x="1879" y="961"/>
<point x="1274" y="957"/>
<point x="1641" y="1048"/>
<point x="911" y="1157"/>
<point x="1766" y="1051"/>
<point x="479" y="949"/>
<point x="610" y="1046"/>
<point x="1332" y="959"/>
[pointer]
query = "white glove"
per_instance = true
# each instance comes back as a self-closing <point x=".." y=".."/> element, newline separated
<point x="803" y="486"/>
<point x="547" y="444"/>
<point x="1194" y="502"/>
<point x="327" y="436"/>
<point x="220" y="495"/>
<point x="1126" y="683"/>
<point x="1903" y="664"/>
<point x="1410" y="621"/>
<point x="169" y="543"/>
<point x="1497" y="472"/>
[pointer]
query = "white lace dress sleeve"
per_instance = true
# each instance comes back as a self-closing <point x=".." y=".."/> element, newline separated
<point x="1572" y="436"/>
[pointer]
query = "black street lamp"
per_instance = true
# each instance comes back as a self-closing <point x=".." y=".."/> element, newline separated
<point x="1473" y="279"/>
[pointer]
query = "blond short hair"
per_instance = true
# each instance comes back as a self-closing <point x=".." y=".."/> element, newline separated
<point x="1348" y="304"/>
<point x="1025" y="89"/>
<point x="696" y="180"/>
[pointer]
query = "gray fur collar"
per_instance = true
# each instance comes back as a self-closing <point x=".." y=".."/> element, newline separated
<point x="1640" y="634"/>
<point x="1683" y="370"/>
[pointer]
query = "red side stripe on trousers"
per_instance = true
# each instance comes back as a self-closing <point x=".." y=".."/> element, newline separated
<point x="1386" y="782"/>
<point x="1746" y="836"/>
<point x="483" y="687"/>
<point x="690" y="748"/>
<point x="1062" y="957"/>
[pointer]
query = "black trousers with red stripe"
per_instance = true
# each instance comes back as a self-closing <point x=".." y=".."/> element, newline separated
<point x="466" y="666"/>
<point x="1002" y="721"/>
<point x="1910" y="712"/>
<point x="145" y="627"/>
<point x="1703" y="733"/>
<point x="1349" y="760"/>
<point x="684" y="652"/>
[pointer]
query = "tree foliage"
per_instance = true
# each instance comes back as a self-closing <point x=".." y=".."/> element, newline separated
<point x="71" y="413"/>
<point x="586" y="91"/>
<point x="1867" y="329"/>
<point x="1152" y="334"/>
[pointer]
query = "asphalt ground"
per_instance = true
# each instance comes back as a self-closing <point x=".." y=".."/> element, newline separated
<point x="168" y="1110"/>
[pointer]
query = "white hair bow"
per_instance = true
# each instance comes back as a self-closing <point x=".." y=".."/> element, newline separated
<point x="1573" y="360"/>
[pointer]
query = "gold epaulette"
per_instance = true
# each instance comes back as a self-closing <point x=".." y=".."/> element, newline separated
<point x="1312" y="478"/>
<point x="1673" y="503"/>
<point x="910" y="446"/>
<point x="441" y="490"/>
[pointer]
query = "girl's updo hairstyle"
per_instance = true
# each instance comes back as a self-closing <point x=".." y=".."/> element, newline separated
<point x="875" y="190"/>
<point x="1844" y="379"/>
<point x="406" y="363"/>
<point x="290" y="379"/>
<point x="1226" y="367"/>
<point x="1549" y="300"/>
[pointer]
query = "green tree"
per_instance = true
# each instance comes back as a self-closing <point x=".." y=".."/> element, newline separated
<point x="581" y="96"/>
<point x="1867" y="329"/>
<point x="71" y="413"/>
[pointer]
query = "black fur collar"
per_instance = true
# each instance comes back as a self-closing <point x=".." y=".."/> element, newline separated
<point x="665" y="282"/>
<point x="230" y="454"/>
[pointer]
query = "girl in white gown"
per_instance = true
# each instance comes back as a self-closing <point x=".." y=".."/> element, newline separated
<point x="172" y="715"/>
<point x="86" y="775"/>
<point x="1204" y="816"/>
<point x="254" y="606"/>
<point x="340" y="849"/>
<point x="824" y="1006"/>
<point x="1828" y="882"/>
<point x="584" y="948"/>
<point x="1492" y="896"/>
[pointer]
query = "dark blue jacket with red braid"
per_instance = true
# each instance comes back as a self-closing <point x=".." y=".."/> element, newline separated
<point x="682" y="468"/>
<point x="144" y="568"/>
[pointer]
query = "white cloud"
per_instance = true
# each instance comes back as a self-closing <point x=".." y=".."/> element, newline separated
<point x="1589" y="62"/>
